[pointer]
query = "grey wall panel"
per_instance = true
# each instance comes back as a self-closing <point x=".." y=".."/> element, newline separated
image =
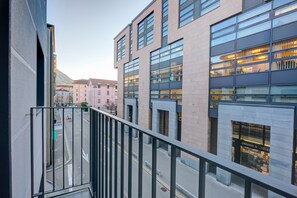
<point x="222" y="49"/>
<point x="176" y="85"/>
<point x="252" y="79"/>
<point x="221" y="82"/>
<point x="164" y="86"/>
<point x="248" y="4"/>
<point x="284" y="77"/>
<point x="284" y="32"/>
<point x="254" y="40"/>
<point x="154" y="86"/>
<point x="213" y="113"/>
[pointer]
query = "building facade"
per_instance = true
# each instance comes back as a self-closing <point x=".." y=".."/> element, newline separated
<point x="24" y="79"/>
<point x="80" y="91"/>
<point x="103" y="94"/>
<point x="219" y="75"/>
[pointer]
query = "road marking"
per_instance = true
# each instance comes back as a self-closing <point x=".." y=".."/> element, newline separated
<point x="69" y="169"/>
<point x="85" y="156"/>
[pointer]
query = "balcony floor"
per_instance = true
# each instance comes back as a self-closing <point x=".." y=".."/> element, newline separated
<point x="79" y="194"/>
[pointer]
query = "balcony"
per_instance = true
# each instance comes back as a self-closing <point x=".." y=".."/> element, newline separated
<point x="79" y="152"/>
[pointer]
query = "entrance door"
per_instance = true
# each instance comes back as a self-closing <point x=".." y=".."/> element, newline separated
<point x="130" y="113"/>
<point x="164" y="127"/>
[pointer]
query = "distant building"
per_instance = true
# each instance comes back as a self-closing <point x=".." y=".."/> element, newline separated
<point x="80" y="91"/>
<point x="103" y="94"/>
<point x="63" y="97"/>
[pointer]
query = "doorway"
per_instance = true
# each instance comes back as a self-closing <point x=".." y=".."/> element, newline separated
<point x="164" y="127"/>
<point x="130" y="113"/>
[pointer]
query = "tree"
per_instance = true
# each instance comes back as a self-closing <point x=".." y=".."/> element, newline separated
<point x="84" y="104"/>
<point x="112" y="107"/>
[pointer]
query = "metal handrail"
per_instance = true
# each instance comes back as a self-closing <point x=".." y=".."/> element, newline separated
<point x="247" y="174"/>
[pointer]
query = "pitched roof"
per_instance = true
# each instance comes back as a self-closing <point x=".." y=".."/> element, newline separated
<point x="81" y="81"/>
<point x="95" y="81"/>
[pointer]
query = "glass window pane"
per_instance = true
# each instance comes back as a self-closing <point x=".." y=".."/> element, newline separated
<point x="224" y="39"/>
<point x="222" y="72"/>
<point x="264" y="67"/>
<point x="284" y="90"/>
<point x="224" y="31"/>
<point x="253" y="59"/>
<point x="254" y="29"/>
<point x="254" y="20"/>
<point x="285" y="19"/>
<point x="286" y="9"/>
<point x="284" y="64"/>
<point x="210" y="8"/>
<point x="285" y="54"/>
<point x="221" y="58"/>
<point x="253" y="51"/>
<point x="252" y="133"/>
<point x="285" y="99"/>
<point x="252" y="90"/>
<point x="222" y="65"/>
<point x="283" y="45"/>
<point x="224" y="24"/>
<point x="254" y="12"/>
<point x="256" y="98"/>
<point x="222" y="97"/>
<point x="222" y="91"/>
<point x="278" y="3"/>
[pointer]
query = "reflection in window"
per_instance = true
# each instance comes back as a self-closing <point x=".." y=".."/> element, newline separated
<point x="253" y="68"/>
<point x="146" y="31"/>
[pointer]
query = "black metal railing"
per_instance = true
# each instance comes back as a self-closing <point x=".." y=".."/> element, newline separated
<point x="125" y="160"/>
<point x="60" y="146"/>
<point x="113" y="159"/>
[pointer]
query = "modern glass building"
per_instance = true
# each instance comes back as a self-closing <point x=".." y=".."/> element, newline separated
<point x="220" y="75"/>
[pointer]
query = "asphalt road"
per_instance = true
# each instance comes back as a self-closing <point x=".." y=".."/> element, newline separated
<point x="74" y="156"/>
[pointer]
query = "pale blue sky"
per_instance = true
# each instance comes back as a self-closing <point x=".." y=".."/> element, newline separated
<point x="84" y="34"/>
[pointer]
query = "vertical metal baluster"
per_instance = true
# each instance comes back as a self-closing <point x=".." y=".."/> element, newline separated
<point x="102" y="155"/>
<point x="115" y="158"/>
<point x="110" y="157"/>
<point x="247" y="189"/>
<point x="42" y="158"/>
<point x="73" y="146"/>
<point x="122" y="159"/>
<point x="81" y="144"/>
<point x="154" y="167"/>
<point x="94" y="146"/>
<point x="172" y="171"/>
<point x="63" y="147"/>
<point x="32" y="151"/>
<point x="201" y="178"/>
<point x="130" y="163"/>
<point x="106" y="157"/>
<point x="140" y="163"/>
<point x="99" y="152"/>
<point x="81" y="149"/>
<point x="90" y="144"/>
<point x="54" y="166"/>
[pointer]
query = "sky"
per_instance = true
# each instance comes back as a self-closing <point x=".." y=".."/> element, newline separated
<point x="85" y="30"/>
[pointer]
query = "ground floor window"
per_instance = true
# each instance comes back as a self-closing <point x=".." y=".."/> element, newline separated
<point x="251" y="146"/>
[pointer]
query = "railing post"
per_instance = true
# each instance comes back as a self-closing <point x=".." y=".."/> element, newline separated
<point x="172" y="171"/>
<point x="94" y="152"/>
<point x="154" y="167"/>
<point x="32" y="151"/>
<point x="202" y="178"/>
<point x="140" y="163"/>
<point x="122" y="160"/>
<point x="247" y="189"/>
<point x="116" y="159"/>
<point x="130" y="163"/>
